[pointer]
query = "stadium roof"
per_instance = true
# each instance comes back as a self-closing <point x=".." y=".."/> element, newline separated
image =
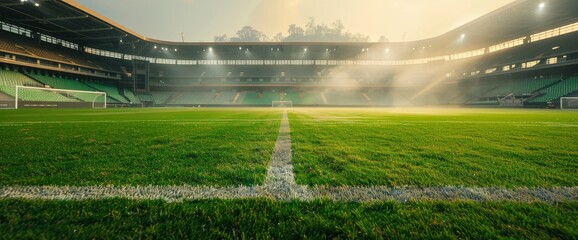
<point x="71" y="21"/>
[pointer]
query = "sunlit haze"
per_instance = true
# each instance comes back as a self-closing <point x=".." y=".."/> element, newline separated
<point x="201" y="20"/>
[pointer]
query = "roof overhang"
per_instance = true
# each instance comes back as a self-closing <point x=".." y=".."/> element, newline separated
<point x="69" y="20"/>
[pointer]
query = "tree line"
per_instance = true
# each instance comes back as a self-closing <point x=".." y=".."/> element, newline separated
<point x="312" y="32"/>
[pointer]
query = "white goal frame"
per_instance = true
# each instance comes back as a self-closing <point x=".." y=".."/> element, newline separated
<point x="562" y="102"/>
<point x="98" y="94"/>
<point x="282" y="103"/>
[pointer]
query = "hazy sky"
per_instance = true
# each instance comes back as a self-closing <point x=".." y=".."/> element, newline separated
<point x="201" y="20"/>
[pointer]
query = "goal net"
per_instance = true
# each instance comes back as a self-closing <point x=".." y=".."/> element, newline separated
<point x="57" y="98"/>
<point x="567" y="103"/>
<point x="282" y="104"/>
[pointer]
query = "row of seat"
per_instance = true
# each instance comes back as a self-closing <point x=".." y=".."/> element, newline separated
<point x="10" y="79"/>
<point x="519" y="87"/>
<point x="558" y="90"/>
<point x="547" y="88"/>
<point x="267" y="97"/>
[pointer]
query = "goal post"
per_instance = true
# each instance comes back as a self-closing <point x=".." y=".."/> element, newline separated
<point x="53" y="97"/>
<point x="282" y="104"/>
<point x="569" y="103"/>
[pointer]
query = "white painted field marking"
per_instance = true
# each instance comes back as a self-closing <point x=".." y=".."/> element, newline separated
<point x="280" y="185"/>
<point x="280" y="181"/>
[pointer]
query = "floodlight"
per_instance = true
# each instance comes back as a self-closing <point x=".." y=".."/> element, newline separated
<point x="463" y="36"/>
<point x="305" y="49"/>
<point x="36" y="4"/>
<point x="210" y="49"/>
<point x="240" y="48"/>
<point x="387" y="50"/>
<point x="542" y="5"/>
<point x="155" y="47"/>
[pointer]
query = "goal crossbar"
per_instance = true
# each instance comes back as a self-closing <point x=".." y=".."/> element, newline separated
<point x="60" y="91"/>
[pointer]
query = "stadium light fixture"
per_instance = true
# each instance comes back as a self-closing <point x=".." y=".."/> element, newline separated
<point x="387" y="50"/>
<point x="542" y="5"/>
<point x="37" y="4"/>
<point x="304" y="49"/>
<point x="210" y="49"/>
<point x="463" y="36"/>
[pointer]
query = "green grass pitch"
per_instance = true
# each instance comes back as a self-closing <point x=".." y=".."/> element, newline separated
<point x="336" y="147"/>
<point x="136" y="147"/>
<point x="435" y="147"/>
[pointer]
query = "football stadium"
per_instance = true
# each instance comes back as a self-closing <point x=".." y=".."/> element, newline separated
<point x="107" y="133"/>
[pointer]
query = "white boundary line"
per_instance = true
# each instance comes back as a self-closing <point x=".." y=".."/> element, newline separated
<point x="280" y="185"/>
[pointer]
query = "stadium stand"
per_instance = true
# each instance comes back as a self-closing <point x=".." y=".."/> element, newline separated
<point x="10" y="79"/>
<point x="112" y="92"/>
<point x="145" y="97"/>
<point x="161" y="97"/>
<point x="558" y="90"/>
<point x="28" y="46"/>
<point x="520" y="87"/>
<point x="62" y="83"/>
<point x="344" y="98"/>
<point x="68" y="84"/>
<point x="13" y="79"/>
<point x="131" y="96"/>
<point x="193" y="98"/>
<point x="306" y="98"/>
<point x="7" y="45"/>
<point x="259" y="98"/>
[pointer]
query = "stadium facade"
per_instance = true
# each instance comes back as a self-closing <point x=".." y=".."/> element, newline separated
<point x="521" y="55"/>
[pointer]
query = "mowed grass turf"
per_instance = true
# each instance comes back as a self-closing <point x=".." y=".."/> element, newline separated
<point x="137" y="146"/>
<point x="435" y="147"/>
<point x="264" y="219"/>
